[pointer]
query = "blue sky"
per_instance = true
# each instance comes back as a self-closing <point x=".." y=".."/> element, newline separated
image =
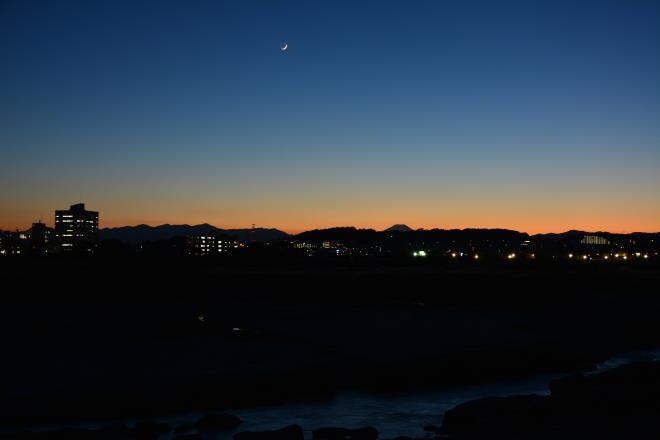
<point x="537" y="116"/>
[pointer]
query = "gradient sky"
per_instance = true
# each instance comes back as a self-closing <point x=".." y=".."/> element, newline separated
<point x="530" y="115"/>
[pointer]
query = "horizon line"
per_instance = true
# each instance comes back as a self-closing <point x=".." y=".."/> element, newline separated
<point x="296" y="232"/>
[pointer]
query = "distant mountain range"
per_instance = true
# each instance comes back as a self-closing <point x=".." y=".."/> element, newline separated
<point x="353" y="235"/>
<point x="399" y="228"/>
<point x="143" y="233"/>
<point x="495" y="239"/>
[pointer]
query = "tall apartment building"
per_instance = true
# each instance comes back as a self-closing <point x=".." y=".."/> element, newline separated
<point x="76" y="229"/>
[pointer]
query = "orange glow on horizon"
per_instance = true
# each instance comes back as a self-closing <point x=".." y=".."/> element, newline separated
<point x="292" y="227"/>
<point x="379" y="211"/>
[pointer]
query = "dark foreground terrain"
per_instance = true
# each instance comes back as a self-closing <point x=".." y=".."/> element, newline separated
<point x="99" y="339"/>
<point x="620" y="403"/>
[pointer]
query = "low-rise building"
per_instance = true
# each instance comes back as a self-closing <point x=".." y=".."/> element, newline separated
<point x="211" y="244"/>
<point x="13" y="243"/>
<point x="40" y="238"/>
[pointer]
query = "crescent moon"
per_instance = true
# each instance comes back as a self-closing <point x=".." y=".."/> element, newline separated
<point x="285" y="47"/>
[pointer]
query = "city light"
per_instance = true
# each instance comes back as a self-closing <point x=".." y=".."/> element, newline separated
<point x="419" y="254"/>
<point x="476" y="256"/>
<point x="511" y="256"/>
<point x="570" y="255"/>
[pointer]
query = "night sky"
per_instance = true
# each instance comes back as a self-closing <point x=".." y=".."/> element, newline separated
<point x="536" y="116"/>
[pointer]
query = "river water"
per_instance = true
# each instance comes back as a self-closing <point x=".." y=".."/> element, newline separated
<point x="393" y="415"/>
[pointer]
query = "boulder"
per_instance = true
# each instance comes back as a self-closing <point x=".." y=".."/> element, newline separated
<point x="184" y="427"/>
<point x="624" y="387"/>
<point x="366" y="433"/>
<point x="504" y="415"/>
<point x="149" y="430"/>
<point x="115" y="431"/>
<point x="217" y="422"/>
<point x="109" y="433"/>
<point x="60" y="434"/>
<point x="619" y="403"/>
<point x="291" y="432"/>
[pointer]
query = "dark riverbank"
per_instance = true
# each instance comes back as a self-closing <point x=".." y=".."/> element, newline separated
<point x="97" y="340"/>
<point x="620" y="403"/>
<point x="623" y="402"/>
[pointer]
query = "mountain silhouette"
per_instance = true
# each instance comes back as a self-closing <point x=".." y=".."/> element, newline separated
<point x="399" y="228"/>
<point x="350" y="235"/>
<point x="142" y="233"/>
